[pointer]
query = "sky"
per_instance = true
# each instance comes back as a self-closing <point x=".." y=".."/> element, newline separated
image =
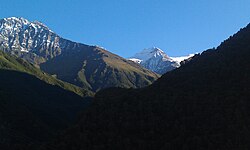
<point x="124" y="27"/>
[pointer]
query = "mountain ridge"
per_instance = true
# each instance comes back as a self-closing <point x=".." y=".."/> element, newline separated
<point x="70" y="61"/>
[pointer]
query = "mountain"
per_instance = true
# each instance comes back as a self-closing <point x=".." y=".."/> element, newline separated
<point x="9" y="62"/>
<point x="95" y="68"/>
<point x="90" y="67"/>
<point x="204" y="104"/>
<point x="157" y="60"/>
<point x="30" y="40"/>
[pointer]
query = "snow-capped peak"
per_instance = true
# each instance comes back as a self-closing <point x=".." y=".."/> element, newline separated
<point x="17" y="19"/>
<point x="149" y="53"/>
<point x="157" y="60"/>
<point x="20" y="35"/>
<point x="14" y="23"/>
<point x="41" y="24"/>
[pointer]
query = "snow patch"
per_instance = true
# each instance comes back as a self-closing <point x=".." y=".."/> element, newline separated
<point x="136" y="60"/>
<point x="24" y="50"/>
<point x="181" y="58"/>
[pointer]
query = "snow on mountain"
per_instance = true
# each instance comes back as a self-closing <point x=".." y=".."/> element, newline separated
<point x="20" y="36"/>
<point x="181" y="58"/>
<point x="19" y="33"/>
<point x="148" y="53"/>
<point x="157" y="60"/>
<point x="136" y="60"/>
<point x="35" y="42"/>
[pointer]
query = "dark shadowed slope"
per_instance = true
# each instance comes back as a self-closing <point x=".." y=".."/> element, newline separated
<point x="32" y="111"/>
<point x="34" y="106"/>
<point x="202" y="105"/>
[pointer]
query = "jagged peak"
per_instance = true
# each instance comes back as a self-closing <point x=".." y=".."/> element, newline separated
<point x="23" y="21"/>
<point x="40" y="23"/>
<point x="152" y="52"/>
<point x="16" y="18"/>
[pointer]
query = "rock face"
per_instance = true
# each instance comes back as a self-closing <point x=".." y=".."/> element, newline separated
<point x="155" y="60"/>
<point x="90" y="67"/>
<point x="33" y="41"/>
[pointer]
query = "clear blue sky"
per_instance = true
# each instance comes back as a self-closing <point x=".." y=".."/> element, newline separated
<point x="179" y="27"/>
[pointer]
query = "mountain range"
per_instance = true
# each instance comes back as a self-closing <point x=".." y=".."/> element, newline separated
<point x="56" y="94"/>
<point x="35" y="105"/>
<point x="157" y="60"/>
<point x="90" y="67"/>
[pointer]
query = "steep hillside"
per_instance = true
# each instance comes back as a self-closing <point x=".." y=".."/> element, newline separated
<point x="13" y="63"/>
<point x="95" y="68"/>
<point x="34" y="106"/>
<point x="204" y="104"/>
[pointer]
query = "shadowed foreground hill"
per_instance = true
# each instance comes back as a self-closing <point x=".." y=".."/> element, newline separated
<point x="202" y="105"/>
<point x="32" y="111"/>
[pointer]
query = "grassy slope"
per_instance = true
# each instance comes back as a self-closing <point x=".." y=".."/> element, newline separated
<point x="94" y="68"/>
<point x="13" y="63"/>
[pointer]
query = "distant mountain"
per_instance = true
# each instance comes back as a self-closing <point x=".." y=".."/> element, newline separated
<point x="90" y="67"/>
<point x="157" y="60"/>
<point x="204" y="104"/>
